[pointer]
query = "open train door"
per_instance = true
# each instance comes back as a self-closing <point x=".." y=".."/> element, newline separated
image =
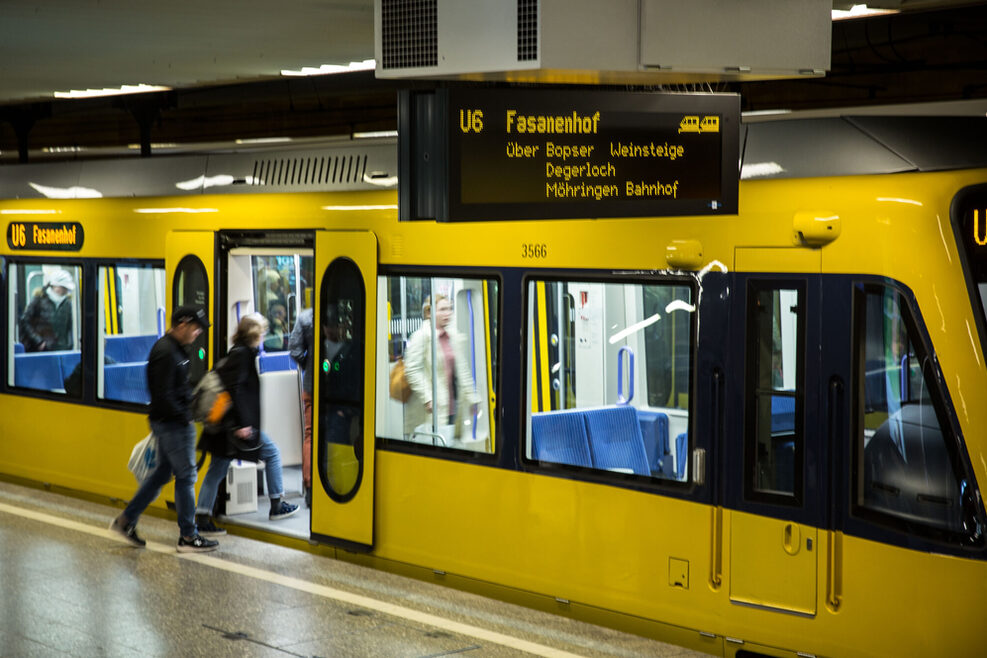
<point x="190" y="264"/>
<point x="343" y="423"/>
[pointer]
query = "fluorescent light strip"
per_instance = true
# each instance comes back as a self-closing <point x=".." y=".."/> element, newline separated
<point x="29" y="212"/>
<point x="153" y="145"/>
<point x="263" y="140"/>
<point x="63" y="149"/>
<point x="74" y="192"/>
<point x="375" y="133"/>
<point x="764" y="113"/>
<point x="757" y="169"/>
<point x="326" y="69"/>
<point x="119" y="91"/>
<point x="860" y="11"/>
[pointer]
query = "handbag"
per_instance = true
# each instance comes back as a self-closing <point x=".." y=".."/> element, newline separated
<point x="247" y="449"/>
<point x="400" y="389"/>
<point x="144" y="457"/>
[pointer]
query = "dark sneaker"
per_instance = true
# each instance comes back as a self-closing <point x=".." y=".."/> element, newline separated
<point x="210" y="529"/>
<point x="283" y="511"/>
<point x="127" y="531"/>
<point x="197" y="544"/>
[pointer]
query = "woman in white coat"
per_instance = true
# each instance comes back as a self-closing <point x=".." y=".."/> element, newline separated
<point x="454" y="394"/>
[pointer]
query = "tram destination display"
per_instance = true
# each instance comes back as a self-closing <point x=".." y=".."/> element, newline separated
<point x="542" y="154"/>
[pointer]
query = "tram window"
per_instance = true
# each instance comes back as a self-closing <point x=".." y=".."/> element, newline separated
<point x="44" y="326"/>
<point x="906" y="466"/>
<point x="282" y="288"/>
<point x="774" y="443"/>
<point x="460" y="383"/>
<point x="131" y="318"/>
<point x="608" y="376"/>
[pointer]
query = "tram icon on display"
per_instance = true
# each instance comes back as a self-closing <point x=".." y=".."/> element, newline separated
<point x="692" y="124"/>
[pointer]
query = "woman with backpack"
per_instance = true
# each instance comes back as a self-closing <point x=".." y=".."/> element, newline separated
<point x="238" y="435"/>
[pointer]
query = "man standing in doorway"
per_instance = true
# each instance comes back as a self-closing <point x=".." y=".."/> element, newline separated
<point x="171" y="421"/>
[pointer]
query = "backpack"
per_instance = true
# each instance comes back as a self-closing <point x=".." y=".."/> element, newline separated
<point x="210" y="401"/>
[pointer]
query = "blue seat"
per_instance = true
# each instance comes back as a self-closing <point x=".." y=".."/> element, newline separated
<point x="782" y="414"/>
<point x="19" y="348"/>
<point x="681" y="452"/>
<point x="654" y="431"/>
<point x="615" y="440"/>
<point x="126" y="382"/>
<point x="129" y="349"/>
<point x="560" y="437"/>
<point x="39" y="370"/>
<point x="274" y="361"/>
<point x="67" y="361"/>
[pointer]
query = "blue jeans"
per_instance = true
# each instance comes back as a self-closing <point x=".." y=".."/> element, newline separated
<point x="218" y="466"/>
<point x="176" y="456"/>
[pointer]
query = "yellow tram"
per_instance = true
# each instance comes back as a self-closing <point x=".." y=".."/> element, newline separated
<point x="753" y="434"/>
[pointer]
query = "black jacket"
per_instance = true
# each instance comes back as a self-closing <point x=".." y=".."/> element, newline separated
<point x="167" y="381"/>
<point x="240" y="379"/>
<point x="43" y="322"/>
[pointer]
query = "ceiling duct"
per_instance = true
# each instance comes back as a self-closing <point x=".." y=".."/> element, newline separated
<point x="617" y="42"/>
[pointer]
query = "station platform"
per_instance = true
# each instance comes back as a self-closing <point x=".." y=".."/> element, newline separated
<point x="71" y="588"/>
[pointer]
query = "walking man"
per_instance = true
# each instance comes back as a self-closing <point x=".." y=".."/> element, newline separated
<point x="171" y="421"/>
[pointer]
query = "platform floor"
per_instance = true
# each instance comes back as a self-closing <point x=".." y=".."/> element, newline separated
<point x="70" y="588"/>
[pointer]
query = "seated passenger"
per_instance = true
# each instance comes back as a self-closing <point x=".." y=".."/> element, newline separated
<point x="278" y="333"/>
<point x="46" y="324"/>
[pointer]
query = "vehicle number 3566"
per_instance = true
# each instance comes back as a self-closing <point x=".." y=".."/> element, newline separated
<point x="534" y="250"/>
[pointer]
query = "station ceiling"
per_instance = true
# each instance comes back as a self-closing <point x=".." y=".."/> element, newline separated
<point x="223" y="61"/>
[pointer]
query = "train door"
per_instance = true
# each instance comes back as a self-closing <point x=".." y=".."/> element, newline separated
<point x="343" y="431"/>
<point x="270" y="273"/>
<point x="774" y="495"/>
<point x="190" y="267"/>
<point x="190" y="272"/>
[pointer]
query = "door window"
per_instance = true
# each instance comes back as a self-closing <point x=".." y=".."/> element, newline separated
<point x="774" y="444"/>
<point x="191" y="287"/>
<point x="341" y="331"/>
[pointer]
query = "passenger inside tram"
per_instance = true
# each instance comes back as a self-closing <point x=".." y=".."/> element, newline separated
<point x="44" y="343"/>
<point x="277" y="337"/>
<point x="440" y="388"/>
<point x="46" y="324"/>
